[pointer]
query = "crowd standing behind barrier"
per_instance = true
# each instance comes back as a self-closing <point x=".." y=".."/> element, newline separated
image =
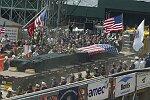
<point x="117" y="67"/>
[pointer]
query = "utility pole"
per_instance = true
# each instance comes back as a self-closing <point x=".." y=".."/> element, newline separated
<point x="58" y="13"/>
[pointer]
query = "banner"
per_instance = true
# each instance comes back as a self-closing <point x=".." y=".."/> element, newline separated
<point x="12" y="33"/>
<point x="125" y="85"/>
<point x="143" y="80"/>
<point x="69" y="94"/>
<point x="98" y="90"/>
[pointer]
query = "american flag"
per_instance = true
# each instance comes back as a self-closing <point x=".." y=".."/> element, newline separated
<point x="40" y="20"/>
<point x="99" y="48"/>
<point x="113" y="24"/>
<point x="2" y="29"/>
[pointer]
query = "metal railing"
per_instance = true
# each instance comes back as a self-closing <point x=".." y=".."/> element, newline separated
<point x="55" y="90"/>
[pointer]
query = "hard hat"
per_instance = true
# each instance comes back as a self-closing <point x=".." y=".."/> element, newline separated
<point x="132" y="60"/>
<point x="37" y="85"/>
<point x="6" y="57"/>
<point x="125" y="62"/>
<point x="13" y="56"/>
<point x="136" y="57"/>
<point x="9" y="89"/>
<point x="43" y="83"/>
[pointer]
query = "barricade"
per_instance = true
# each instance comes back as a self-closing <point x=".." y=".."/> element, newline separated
<point x="128" y="83"/>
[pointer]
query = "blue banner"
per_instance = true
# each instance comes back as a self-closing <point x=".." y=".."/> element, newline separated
<point x="69" y="94"/>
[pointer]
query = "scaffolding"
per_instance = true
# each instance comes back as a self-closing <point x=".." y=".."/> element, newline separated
<point x="22" y="11"/>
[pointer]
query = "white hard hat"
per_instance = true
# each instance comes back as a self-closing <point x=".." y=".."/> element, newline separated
<point x="62" y="78"/>
<point x="6" y="57"/>
<point x="132" y="60"/>
<point x="136" y="57"/>
<point x="13" y="56"/>
<point x="125" y="62"/>
<point x="23" y="54"/>
<point x="43" y="83"/>
<point x="37" y="85"/>
<point x="9" y="89"/>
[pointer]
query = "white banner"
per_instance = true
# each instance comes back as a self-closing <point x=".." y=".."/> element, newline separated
<point x="12" y="33"/>
<point x="98" y="90"/>
<point x="143" y="80"/>
<point x="125" y="85"/>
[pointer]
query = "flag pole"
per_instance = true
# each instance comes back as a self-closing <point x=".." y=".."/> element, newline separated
<point x="34" y="17"/>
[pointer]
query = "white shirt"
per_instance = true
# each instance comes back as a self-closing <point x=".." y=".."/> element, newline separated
<point x="142" y="64"/>
<point x="35" y="53"/>
<point x="137" y="64"/>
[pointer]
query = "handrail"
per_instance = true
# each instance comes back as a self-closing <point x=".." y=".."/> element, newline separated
<point x="75" y="84"/>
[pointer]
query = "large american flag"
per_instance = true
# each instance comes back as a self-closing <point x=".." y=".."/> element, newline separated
<point x="113" y="24"/>
<point x="99" y="48"/>
<point x="2" y="29"/>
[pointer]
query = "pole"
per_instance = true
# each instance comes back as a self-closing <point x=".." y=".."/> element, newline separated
<point x="58" y="14"/>
<point x="34" y="17"/>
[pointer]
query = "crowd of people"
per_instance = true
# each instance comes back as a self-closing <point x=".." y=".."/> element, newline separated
<point x="93" y="70"/>
<point x="65" y="42"/>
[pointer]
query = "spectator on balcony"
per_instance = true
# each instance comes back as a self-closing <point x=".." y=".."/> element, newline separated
<point x="37" y="87"/>
<point x="88" y="74"/>
<point x="119" y="69"/>
<point x="80" y="78"/>
<point x="137" y="63"/>
<point x="54" y="82"/>
<point x="132" y="65"/>
<point x="43" y="86"/>
<point x="29" y="89"/>
<point x="10" y="93"/>
<point x="114" y="69"/>
<point x="63" y="81"/>
<point x="96" y="72"/>
<point x="125" y="66"/>
<point x="142" y="63"/>
<point x="147" y="59"/>
<point x="72" y="78"/>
